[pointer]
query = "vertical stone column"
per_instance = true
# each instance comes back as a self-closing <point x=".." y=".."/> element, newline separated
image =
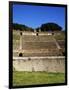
<point x="20" y="48"/>
<point x="20" y="40"/>
<point x="39" y="30"/>
<point x="34" y="31"/>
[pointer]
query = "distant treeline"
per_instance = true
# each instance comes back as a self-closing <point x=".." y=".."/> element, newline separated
<point x="43" y="27"/>
<point x="21" y="27"/>
<point x="50" y="27"/>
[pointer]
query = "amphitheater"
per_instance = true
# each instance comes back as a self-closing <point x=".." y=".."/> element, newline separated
<point x="38" y="52"/>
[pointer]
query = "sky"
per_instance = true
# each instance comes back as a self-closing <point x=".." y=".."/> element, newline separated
<point x="35" y="16"/>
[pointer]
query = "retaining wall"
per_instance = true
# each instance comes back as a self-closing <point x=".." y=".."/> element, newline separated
<point x="40" y="64"/>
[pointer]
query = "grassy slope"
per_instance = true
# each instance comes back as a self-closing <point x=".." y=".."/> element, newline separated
<point x="30" y="78"/>
<point x="60" y="37"/>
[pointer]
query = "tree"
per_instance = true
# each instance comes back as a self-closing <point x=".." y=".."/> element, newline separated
<point x="37" y="29"/>
<point x="50" y="27"/>
<point x="21" y="27"/>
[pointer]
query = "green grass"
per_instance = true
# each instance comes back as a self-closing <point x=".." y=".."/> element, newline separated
<point x="31" y="78"/>
<point x="60" y="37"/>
<point x="16" y="37"/>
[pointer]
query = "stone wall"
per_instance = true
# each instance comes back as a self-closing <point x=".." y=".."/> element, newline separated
<point x="40" y="64"/>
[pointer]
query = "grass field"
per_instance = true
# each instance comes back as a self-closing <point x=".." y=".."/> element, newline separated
<point x="60" y="37"/>
<point x="33" y="78"/>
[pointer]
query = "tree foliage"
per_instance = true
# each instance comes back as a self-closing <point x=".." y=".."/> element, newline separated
<point x="37" y="29"/>
<point x="21" y="27"/>
<point x="50" y="27"/>
<point x="44" y="27"/>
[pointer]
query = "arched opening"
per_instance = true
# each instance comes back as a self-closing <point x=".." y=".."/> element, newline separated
<point x="63" y="53"/>
<point x="37" y="34"/>
<point x="21" y="33"/>
<point x="20" y="54"/>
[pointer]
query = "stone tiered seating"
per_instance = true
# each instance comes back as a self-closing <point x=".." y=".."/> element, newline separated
<point x="42" y="54"/>
<point x="38" y="45"/>
<point x="33" y="42"/>
<point x="32" y="54"/>
<point x="33" y="38"/>
<point x="61" y="43"/>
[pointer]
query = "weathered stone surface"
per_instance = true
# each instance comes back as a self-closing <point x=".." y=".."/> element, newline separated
<point x="48" y="65"/>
